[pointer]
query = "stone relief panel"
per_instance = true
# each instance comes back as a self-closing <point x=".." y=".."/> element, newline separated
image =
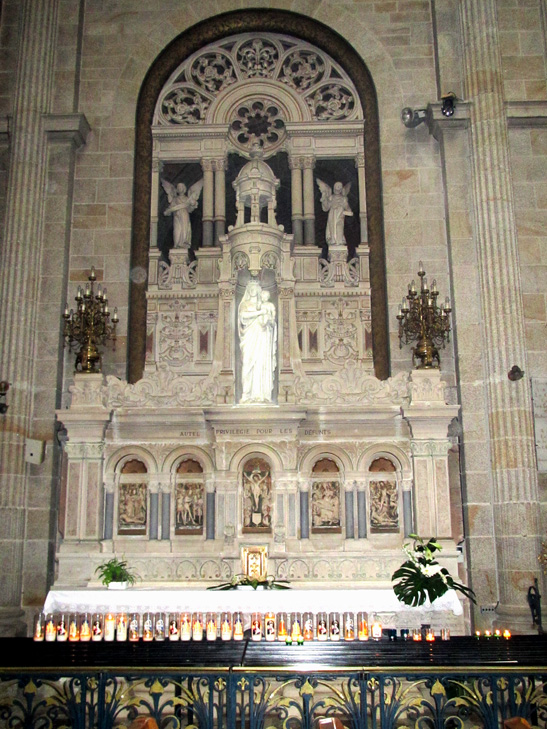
<point x="384" y="506"/>
<point x="325" y="498"/>
<point x="189" y="498"/>
<point x="257" y="496"/>
<point x="132" y="499"/>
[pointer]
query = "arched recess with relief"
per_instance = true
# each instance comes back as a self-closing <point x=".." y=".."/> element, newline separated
<point x="302" y="75"/>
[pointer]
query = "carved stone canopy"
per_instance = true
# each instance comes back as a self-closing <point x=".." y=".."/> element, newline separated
<point x="255" y="188"/>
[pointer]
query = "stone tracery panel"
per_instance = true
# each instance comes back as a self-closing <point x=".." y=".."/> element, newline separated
<point x="324" y="88"/>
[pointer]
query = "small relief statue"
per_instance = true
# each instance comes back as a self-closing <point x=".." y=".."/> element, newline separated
<point x="335" y="202"/>
<point x="181" y="204"/>
<point x="384" y="506"/>
<point x="189" y="508"/>
<point x="132" y="507"/>
<point x="257" y="329"/>
<point x="326" y="506"/>
<point x="257" y="499"/>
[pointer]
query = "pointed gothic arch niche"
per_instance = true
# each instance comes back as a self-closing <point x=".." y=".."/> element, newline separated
<point x="187" y="43"/>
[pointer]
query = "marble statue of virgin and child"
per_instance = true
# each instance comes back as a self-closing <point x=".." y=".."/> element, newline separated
<point x="257" y="328"/>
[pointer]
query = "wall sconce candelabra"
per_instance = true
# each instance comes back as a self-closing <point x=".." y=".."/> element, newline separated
<point x="423" y="321"/>
<point x="90" y="326"/>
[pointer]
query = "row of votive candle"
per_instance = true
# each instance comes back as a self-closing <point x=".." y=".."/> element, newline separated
<point x="283" y="627"/>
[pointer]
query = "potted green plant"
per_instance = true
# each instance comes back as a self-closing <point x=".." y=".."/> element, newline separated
<point x="116" y="575"/>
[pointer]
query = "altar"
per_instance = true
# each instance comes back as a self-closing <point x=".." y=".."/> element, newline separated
<point x="375" y="601"/>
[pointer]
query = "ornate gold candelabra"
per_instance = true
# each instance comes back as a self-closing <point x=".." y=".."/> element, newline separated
<point x="90" y="326"/>
<point x="422" y="321"/>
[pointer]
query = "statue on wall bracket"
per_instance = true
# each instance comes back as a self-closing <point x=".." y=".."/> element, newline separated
<point x="335" y="202"/>
<point x="181" y="204"/>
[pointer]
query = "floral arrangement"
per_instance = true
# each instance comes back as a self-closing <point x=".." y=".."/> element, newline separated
<point x="421" y="577"/>
<point x="266" y="583"/>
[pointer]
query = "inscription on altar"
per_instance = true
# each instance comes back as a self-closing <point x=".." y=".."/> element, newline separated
<point x="266" y="430"/>
<point x="189" y="433"/>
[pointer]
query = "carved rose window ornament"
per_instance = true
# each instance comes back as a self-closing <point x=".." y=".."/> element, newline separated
<point x="316" y="82"/>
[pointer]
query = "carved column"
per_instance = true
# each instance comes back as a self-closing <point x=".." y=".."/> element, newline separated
<point x="21" y="254"/>
<point x="208" y="201"/>
<point x="309" y="212"/>
<point x="220" y="198"/>
<point x="429" y="417"/>
<point x="513" y="556"/>
<point x="360" y="164"/>
<point x="296" y="164"/>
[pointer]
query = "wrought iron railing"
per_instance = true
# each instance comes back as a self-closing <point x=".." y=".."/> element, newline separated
<point x="291" y="696"/>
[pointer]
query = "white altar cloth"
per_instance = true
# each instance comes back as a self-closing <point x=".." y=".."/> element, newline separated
<point x="247" y="601"/>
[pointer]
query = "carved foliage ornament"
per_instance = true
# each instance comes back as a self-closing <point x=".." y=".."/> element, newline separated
<point x="352" y="384"/>
<point x="324" y="87"/>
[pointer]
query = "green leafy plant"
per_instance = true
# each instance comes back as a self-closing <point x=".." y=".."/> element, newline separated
<point x="116" y="570"/>
<point x="421" y="577"/>
<point x="242" y="580"/>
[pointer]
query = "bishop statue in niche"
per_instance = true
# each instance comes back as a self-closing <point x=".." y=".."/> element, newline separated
<point x="181" y="204"/>
<point x="257" y="328"/>
<point x="257" y="496"/>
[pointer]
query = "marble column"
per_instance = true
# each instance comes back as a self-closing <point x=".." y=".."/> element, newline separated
<point x="297" y="212"/>
<point x="350" y="518"/>
<point x="304" y="513"/>
<point x="153" y="530"/>
<point x="166" y="515"/>
<point x="19" y="279"/>
<point x="208" y="202"/>
<point x="509" y="406"/>
<point x="309" y="212"/>
<point x="108" y="530"/>
<point x="220" y="198"/>
<point x="360" y="165"/>
<point x="361" y="510"/>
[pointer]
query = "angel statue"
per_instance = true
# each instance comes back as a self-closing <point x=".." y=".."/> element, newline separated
<point x="180" y="207"/>
<point x="335" y="202"/>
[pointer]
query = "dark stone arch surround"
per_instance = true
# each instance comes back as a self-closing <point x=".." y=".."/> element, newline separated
<point x="190" y="41"/>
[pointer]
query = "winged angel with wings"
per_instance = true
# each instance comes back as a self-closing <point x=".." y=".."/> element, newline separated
<point x="180" y="207"/>
<point x="335" y="202"/>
